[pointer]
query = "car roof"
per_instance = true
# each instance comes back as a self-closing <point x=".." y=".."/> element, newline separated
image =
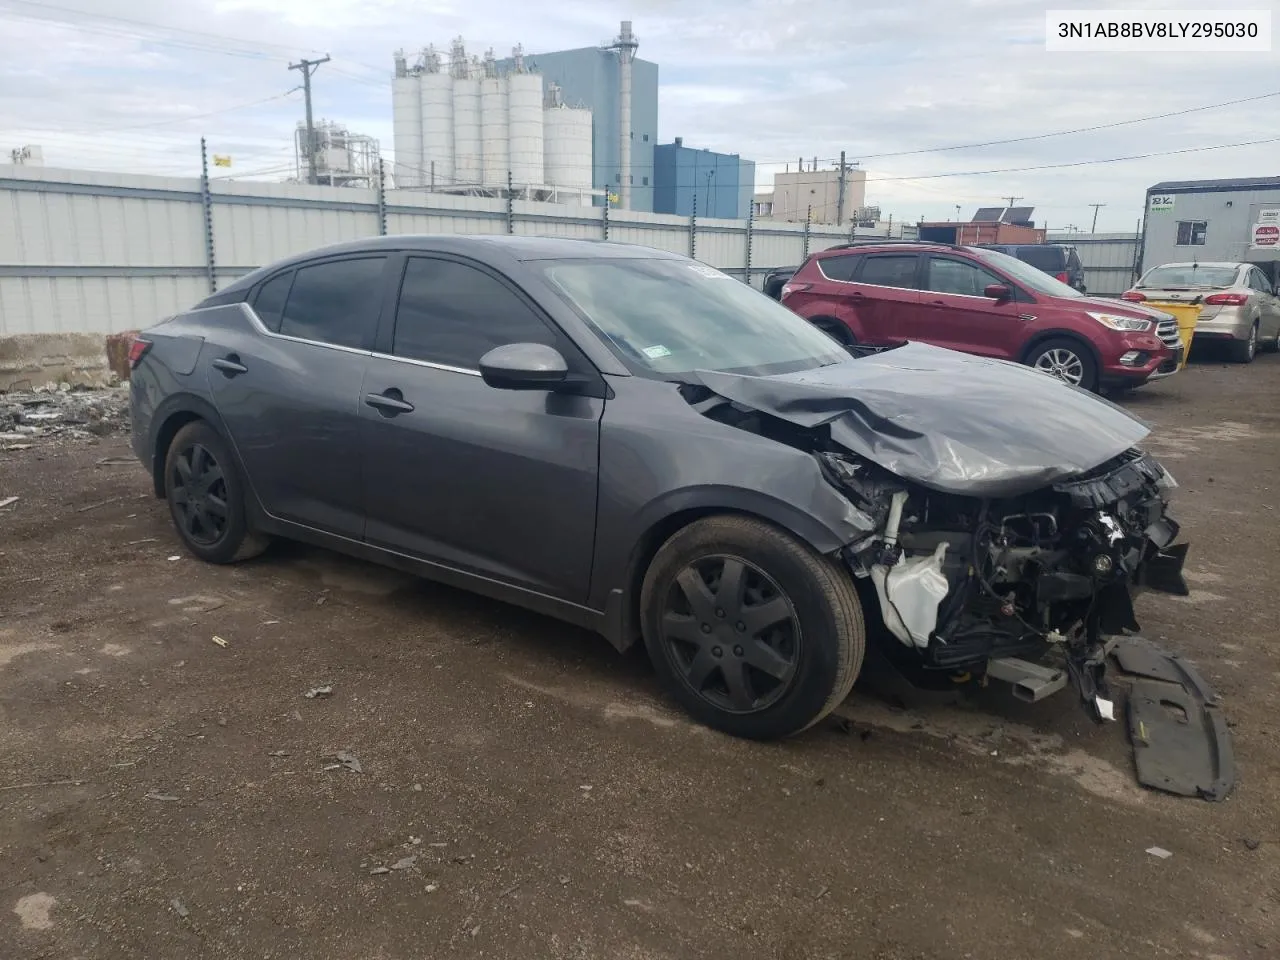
<point x="872" y="246"/>
<point x="482" y="247"/>
<point x="1235" y="264"/>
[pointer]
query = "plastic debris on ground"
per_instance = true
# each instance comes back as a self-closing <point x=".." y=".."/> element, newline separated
<point x="319" y="693"/>
<point x="1160" y="852"/>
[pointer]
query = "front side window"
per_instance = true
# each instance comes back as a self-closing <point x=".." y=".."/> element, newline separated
<point x="667" y="318"/>
<point x="1191" y="233"/>
<point x="958" y="277"/>
<point x="335" y="302"/>
<point x="889" y="271"/>
<point x="453" y="314"/>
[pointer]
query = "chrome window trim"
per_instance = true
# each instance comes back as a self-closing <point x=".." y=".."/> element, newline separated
<point x="426" y="363"/>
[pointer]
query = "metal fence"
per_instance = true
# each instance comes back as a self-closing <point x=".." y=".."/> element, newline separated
<point x="87" y="252"/>
<point x="1110" y="259"/>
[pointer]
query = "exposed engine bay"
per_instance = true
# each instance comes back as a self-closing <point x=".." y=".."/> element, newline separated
<point x="963" y="580"/>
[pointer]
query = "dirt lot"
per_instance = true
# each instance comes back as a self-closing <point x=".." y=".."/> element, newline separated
<point x="162" y="795"/>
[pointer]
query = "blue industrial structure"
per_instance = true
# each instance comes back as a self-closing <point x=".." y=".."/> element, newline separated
<point x="590" y="76"/>
<point x="722" y="183"/>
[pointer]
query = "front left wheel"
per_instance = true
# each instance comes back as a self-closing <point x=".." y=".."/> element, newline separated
<point x="754" y="633"/>
<point x="206" y="497"/>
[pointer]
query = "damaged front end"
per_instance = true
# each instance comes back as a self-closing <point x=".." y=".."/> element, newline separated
<point x="999" y="586"/>
<point x="1014" y="516"/>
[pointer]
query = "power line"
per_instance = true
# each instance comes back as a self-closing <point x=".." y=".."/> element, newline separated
<point x="1078" y="163"/>
<point x="149" y="24"/>
<point x="1063" y="133"/>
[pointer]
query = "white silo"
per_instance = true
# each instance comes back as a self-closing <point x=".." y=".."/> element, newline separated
<point x="437" y="123"/>
<point x="467" y="145"/>
<point x="406" y="124"/>
<point x="493" y="126"/>
<point x="568" y="151"/>
<point x="524" y="104"/>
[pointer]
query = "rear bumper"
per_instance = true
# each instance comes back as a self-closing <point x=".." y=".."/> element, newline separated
<point x="1225" y="325"/>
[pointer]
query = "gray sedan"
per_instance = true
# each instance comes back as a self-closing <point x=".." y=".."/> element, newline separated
<point x="636" y="443"/>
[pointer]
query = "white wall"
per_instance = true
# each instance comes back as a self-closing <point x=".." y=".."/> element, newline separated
<point x="87" y="252"/>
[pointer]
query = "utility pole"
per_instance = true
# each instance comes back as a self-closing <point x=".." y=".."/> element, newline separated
<point x="957" y="213"/>
<point x="308" y="67"/>
<point x="840" y="193"/>
<point x="1012" y="200"/>
<point x="1094" y="228"/>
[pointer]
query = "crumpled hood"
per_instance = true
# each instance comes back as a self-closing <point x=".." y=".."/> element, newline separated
<point x="947" y="420"/>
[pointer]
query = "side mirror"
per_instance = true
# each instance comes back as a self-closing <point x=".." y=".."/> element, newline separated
<point x="523" y="366"/>
<point x="997" y="291"/>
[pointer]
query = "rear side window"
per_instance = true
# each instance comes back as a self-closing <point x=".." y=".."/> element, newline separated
<point x="1048" y="259"/>
<point x="453" y="314"/>
<point x="889" y="270"/>
<point x="335" y="302"/>
<point x="838" y="268"/>
<point x="269" y="303"/>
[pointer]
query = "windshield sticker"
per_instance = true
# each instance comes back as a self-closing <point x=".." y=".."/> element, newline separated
<point x="656" y="352"/>
<point x="710" y="273"/>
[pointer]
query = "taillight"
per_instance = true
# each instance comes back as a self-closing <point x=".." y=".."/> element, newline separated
<point x="1227" y="299"/>
<point x="1132" y="295"/>
<point x="137" y="350"/>
<point x="1060" y="277"/>
<point x="790" y="288"/>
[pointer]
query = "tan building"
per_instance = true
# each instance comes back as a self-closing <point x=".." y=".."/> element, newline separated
<point x="818" y="190"/>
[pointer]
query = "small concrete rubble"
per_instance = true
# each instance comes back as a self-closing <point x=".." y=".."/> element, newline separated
<point x="59" y="413"/>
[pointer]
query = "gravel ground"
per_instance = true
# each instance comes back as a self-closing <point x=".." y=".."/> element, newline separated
<point x="486" y="782"/>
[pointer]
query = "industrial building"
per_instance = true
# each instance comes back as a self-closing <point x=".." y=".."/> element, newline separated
<point x="554" y="121"/>
<point x="824" y="196"/>
<point x="1234" y="220"/>
<point x="476" y="127"/>
<point x="341" y="158"/>
<point x="688" y="180"/>
<point x="621" y="91"/>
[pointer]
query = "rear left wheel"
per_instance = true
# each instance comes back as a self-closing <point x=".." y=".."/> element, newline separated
<point x="753" y="633"/>
<point x="1243" y="351"/>
<point x="206" y="497"/>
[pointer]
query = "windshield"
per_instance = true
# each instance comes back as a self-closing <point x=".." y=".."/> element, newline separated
<point x="1027" y="275"/>
<point x="670" y="317"/>
<point x="1187" y="276"/>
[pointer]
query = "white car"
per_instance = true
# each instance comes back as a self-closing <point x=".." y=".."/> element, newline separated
<point x="1238" y="304"/>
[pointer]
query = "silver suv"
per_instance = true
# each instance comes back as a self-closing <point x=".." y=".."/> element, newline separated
<point x="1238" y="304"/>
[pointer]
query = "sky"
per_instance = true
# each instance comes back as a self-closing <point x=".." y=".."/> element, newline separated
<point x="914" y="91"/>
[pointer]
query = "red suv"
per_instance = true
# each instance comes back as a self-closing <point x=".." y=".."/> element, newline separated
<point x="984" y="302"/>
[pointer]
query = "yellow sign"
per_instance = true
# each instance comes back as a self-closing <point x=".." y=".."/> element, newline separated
<point x="613" y="198"/>
<point x="221" y="161"/>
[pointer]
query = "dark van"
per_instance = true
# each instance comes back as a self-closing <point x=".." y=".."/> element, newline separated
<point x="1059" y="260"/>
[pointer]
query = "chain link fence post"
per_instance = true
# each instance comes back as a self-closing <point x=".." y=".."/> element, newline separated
<point x="206" y="199"/>
<point x="751" y="223"/>
<point x="693" y="229"/>
<point x="382" y="199"/>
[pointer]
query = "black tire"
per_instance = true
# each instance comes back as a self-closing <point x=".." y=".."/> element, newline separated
<point x="836" y="330"/>
<point x="1243" y="351"/>
<point x="206" y="497"/>
<point x="793" y="669"/>
<point x="1059" y="355"/>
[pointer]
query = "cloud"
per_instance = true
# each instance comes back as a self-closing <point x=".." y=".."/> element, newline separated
<point x="769" y="80"/>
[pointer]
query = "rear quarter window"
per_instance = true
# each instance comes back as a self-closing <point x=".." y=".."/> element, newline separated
<point x="838" y="268"/>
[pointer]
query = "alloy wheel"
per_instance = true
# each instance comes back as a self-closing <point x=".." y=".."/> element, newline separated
<point x="1062" y="363"/>
<point x="1253" y="341"/>
<point x="731" y="633"/>
<point x="198" y="489"/>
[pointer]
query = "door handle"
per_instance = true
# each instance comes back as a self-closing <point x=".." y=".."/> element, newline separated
<point x="230" y="365"/>
<point x="389" y="402"/>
